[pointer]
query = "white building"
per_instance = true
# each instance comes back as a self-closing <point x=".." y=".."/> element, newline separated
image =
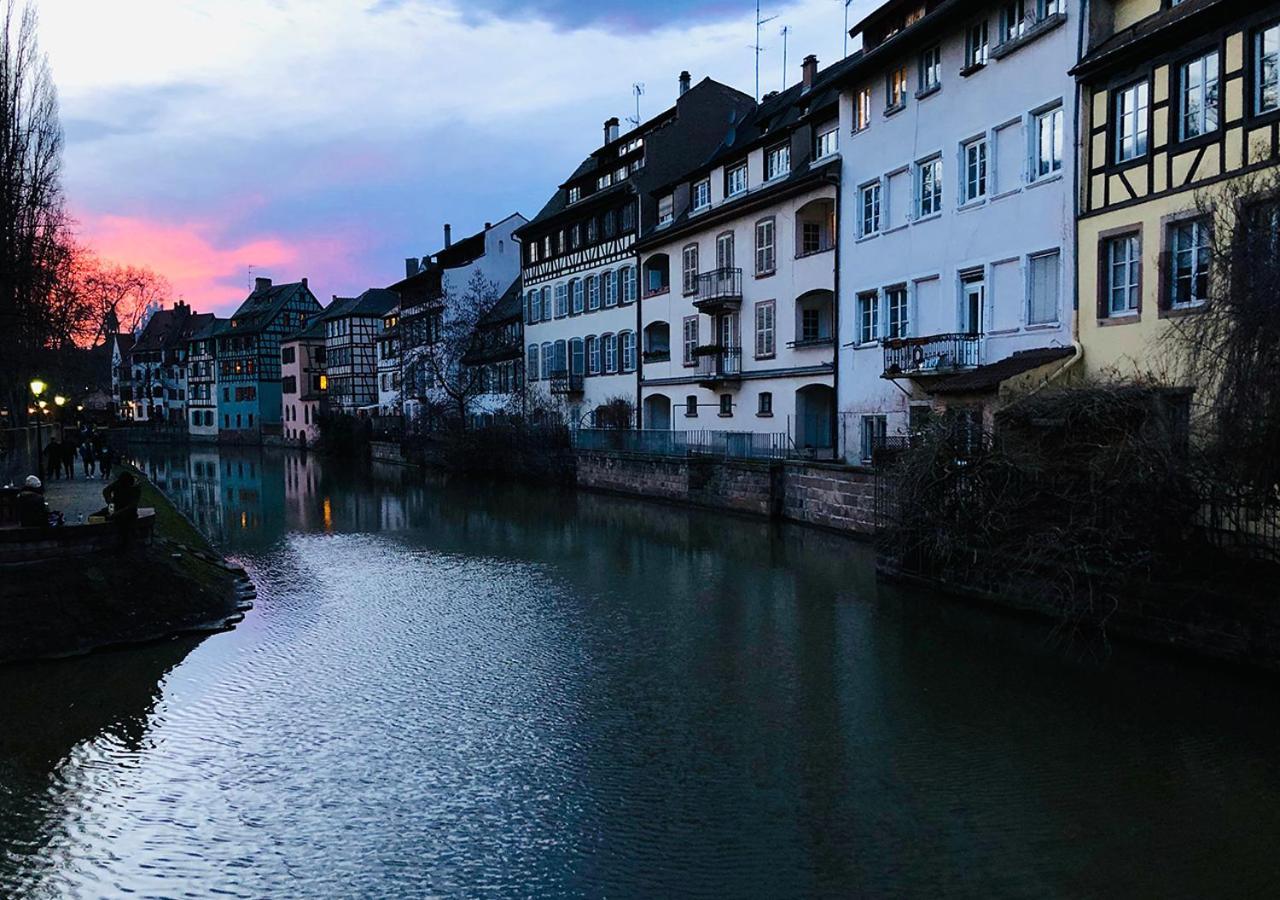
<point x="389" y="364"/>
<point x="581" y="275"/>
<point x="741" y="336"/>
<point x="202" y="376"/>
<point x="958" y="192"/>
<point x="303" y="382"/>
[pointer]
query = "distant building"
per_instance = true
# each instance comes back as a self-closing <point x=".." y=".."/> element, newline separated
<point x="303" y="382"/>
<point x="389" y="364"/>
<point x="202" y="376"/>
<point x="249" y="403"/>
<point x="122" y="374"/>
<point x="497" y="355"/>
<point x="158" y="363"/>
<point x="352" y="326"/>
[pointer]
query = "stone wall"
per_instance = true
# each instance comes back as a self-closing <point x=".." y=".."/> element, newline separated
<point x="828" y="495"/>
<point x="386" y="451"/>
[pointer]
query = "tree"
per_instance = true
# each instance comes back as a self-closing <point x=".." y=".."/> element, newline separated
<point x="37" y="314"/>
<point x="434" y="368"/>
<point x="120" y="297"/>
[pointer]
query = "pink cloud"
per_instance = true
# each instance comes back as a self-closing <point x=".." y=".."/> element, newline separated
<point x="212" y="274"/>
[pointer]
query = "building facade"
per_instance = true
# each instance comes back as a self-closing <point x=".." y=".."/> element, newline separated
<point x="352" y="326"/>
<point x="122" y="375"/>
<point x="250" y="400"/>
<point x="958" y="188"/>
<point x="737" y="311"/>
<point x="580" y="268"/>
<point x="303" y="382"/>
<point x="202" y="378"/>
<point x="389" y="364"/>
<point x="496" y="358"/>
<point x="1180" y="103"/>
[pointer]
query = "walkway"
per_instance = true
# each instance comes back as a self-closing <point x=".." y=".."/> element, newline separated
<point x="75" y="498"/>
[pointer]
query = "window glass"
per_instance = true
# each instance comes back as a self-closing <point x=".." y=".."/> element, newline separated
<point x="1042" y="302"/>
<point x="896" y="88"/>
<point x="593" y="292"/>
<point x="1266" y="57"/>
<point x="1131" y="121"/>
<point x="870" y="208"/>
<point x="1199" y="105"/>
<point x="736" y="180"/>
<point x="1124" y="270"/>
<point x="896" y="311"/>
<point x="862" y="110"/>
<point x="765" y="257"/>
<point x="778" y="161"/>
<point x="1048" y="143"/>
<point x="929" y="188"/>
<point x="976" y="44"/>
<point x="868" y="313"/>
<point x="765" y="407"/>
<point x="702" y="194"/>
<point x="975" y="170"/>
<point x="1189" y="258"/>
<point x="930" y="68"/>
<point x="765" y="331"/>
<point x="827" y="143"/>
<point x="666" y="209"/>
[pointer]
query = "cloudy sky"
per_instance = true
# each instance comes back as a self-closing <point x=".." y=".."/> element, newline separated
<point x="334" y="138"/>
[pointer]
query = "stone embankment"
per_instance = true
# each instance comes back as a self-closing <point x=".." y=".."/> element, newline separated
<point x="176" y="584"/>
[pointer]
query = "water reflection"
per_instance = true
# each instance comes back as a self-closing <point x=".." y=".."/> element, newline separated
<point x="459" y="690"/>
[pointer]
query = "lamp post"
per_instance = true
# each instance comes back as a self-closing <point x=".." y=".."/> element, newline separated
<point x="37" y="388"/>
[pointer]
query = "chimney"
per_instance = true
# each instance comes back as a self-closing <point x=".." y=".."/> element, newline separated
<point x="488" y="225"/>
<point x="304" y="283"/>
<point x="448" y="236"/>
<point x="410" y="267"/>
<point x="810" y="69"/>
<point x="684" y="83"/>
<point x="261" y="284"/>
<point x="611" y="130"/>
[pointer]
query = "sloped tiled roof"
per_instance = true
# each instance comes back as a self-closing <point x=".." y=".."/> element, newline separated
<point x="989" y="377"/>
<point x="1170" y="19"/>
<point x="160" y="329"/>
<point x="264" y="304"/>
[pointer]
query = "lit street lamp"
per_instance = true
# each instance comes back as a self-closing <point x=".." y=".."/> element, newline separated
<point x="37" y="388"/>
<point x="59" y="399"/>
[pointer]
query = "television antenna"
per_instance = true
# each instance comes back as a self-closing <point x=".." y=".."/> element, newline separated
<point x="846" y="26"/>
<point x="786" y="30"/>
<point x="759" y="21"/>
<point x="637" y="89"/>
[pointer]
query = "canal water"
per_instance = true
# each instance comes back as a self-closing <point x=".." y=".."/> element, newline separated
<point x="452" y="690"/>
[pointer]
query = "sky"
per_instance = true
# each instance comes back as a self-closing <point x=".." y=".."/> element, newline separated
<point x="334" y="138"/>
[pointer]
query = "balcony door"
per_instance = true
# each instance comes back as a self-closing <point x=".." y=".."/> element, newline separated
<point x="973" y="298"/>
<point x="724" y="251"/>
<point x="727" y="330"/>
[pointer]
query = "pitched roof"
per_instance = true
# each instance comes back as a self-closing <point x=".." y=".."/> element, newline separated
<point x="989" y="377"/>
<point x="373" y="303"/>
<point x="125" y="342"/>
<point x="264" y="304"/>
<point x="1166" y="21"/>
<point x="509" y="305"/>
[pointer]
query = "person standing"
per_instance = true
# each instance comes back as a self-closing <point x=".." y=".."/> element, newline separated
<point x="122" y="496"/>
<point x="86" y="457"/>
<point x="106" y="457"/>
<point x="53" y="459"/>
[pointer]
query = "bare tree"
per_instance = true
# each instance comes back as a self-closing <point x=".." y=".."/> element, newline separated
<point x="33" y="224"/>
<point x="120" y="297"/>
<point x="434" y="369"/>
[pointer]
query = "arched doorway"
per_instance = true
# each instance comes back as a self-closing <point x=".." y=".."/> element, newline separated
<point x="657" y="413"/>
<point x="815" y="406"/>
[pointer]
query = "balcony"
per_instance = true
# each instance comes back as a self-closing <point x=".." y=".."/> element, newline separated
<point x="656" y="356"/>
<point x="719" y="291"/>
<point x="717" y="365"/>
<point x="937" y="354"/>
<point x="566" y="383"/>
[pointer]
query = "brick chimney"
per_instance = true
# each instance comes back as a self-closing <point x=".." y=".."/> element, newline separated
<point x="809" y="68"/>
<point x="685" y="78"/>
<point x="611" y="130"/>
<point x="261" y="284"/>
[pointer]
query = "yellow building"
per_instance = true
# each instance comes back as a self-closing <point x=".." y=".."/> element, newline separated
<point x="1178" y="99"/>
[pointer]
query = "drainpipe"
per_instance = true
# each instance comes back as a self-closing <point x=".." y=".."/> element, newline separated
<point x="835" y="321"/>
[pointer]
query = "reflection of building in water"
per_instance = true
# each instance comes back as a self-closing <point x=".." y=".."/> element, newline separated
<point x="301" y="490"/>
<point x="206" y="506"/>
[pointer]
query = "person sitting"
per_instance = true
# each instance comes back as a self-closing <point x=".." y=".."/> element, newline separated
<point x="33" y="512"/>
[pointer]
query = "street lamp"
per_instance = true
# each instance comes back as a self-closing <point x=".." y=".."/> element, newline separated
<point x="37" y="388"/>
<point x="59" y="400"/>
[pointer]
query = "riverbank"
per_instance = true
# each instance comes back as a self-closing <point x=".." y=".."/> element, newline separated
<point x="175" y="585"/>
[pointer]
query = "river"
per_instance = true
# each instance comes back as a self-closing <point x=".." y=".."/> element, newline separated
<point x="453" y="690"/>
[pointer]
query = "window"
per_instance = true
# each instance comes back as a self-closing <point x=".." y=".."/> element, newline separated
<point x="868" y="317"/>
<point x="591" y="230"/>
<point x="562" y="300"/>
<point x="533" y="252"/>
<point x="666" y="209"/>
<point x="1198" y="108"/>
<point x="702" y="194"/>
<point x="547" y="362"/>
<point x="1266" y="70"/>
<point x="973" y="301"/>
<point x="629" y="284"/>
<point x="726" y="404"/>
<point x="1013" y="20"/>
<point x="690" y="268"/>
<point x="930" y="69"/>
<point x="1123" y="258"/>
<point x="593" y="292"/>
<point x="560" y="244"/>
<point x="724" y="250"/>
<point x="735" y="180"/>
<point x="289" y="384"/>
<point x="976" y="45"/>
<point x="628" y="341"/>
<point x="765" y="330"/>
<point x="764" y="403"/>
<point x="575" y="194"/>
<point x="593" y="355"/>
<point x="764" y="247"/>
<point x="579" y="297"/>
<point x="690" y="335"/>
<point x="896" y="309"/>
<point x="810" y="238"/>
<point x="691" y="406"/>
<point x="610" y="353"/>
<point x="604" y="181"/>
<point x="874" y="430"/>
<point x="1048" y="156"/>
<point x="828" y="141"/>
<point x="610" y="280"/>
<point x="546" y="304"/>
<point x="929" y="188"/>
<point x="896" y="88"/>
<point x="288" y="355"/>
<point x="1131" y="121"/>
<point x="1189" y="260"/>
<point x="862" y="110"/>
<point x="531" y="358"/>
<point x="777" y="161"/>
<point x="975" y="170"/>
<point x="546" y="246"/>
<point x="560" y="359"/>
<point x="629" y="217"/>
<point x="1042" y="293"/>
<point x="870" y="204"/>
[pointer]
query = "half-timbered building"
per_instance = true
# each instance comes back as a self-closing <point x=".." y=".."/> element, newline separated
<point x="496" y="359"/>
<point x="303" y="382"/>
<point x="352" y="326"/>
<point x="580" y="269"/>
<point x="202" y="379"/>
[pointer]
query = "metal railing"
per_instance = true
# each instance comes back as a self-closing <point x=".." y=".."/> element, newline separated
<point x="719" y="287"/>
<point x="719" y="363"/>
<point x="721" y="444"/>
<point x="937" y="353"/>
<point x="566" y="383"/>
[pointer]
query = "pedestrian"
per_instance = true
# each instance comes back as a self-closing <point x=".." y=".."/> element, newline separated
<point x="69" y="458"/>
<point x="53" y="459"/>
<point x="122" y="496"/>
<point x="106" y="457"/>
<point x="33" y="512"/>
<point x="86" y="457"/>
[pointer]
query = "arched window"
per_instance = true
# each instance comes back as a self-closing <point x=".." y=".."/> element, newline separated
<point x="532" y="360"/>
<point x="593" y="355"/>
<point x="575" y="288"/>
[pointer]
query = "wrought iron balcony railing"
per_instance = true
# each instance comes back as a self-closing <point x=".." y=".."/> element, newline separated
<point x="719" y="289"/>
<point x="936" y="354"/>
<point x="717" y="363"/>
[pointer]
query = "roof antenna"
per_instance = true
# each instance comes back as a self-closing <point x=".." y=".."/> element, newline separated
<point x="846" y="27"/>
<point x="638" y="90"/>
<point x="786" y="29"/>
<point x="759" y="22"/>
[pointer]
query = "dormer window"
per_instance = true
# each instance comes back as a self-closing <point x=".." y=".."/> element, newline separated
<point x="735" y="180"/>
<point x="778" y="161"/>
<point x="604" y="181"/>
<point x="666" y="209"/>
<point x="702" y="194"/>
<point x="629" y="146"/>
<point x="575" y="194"/>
